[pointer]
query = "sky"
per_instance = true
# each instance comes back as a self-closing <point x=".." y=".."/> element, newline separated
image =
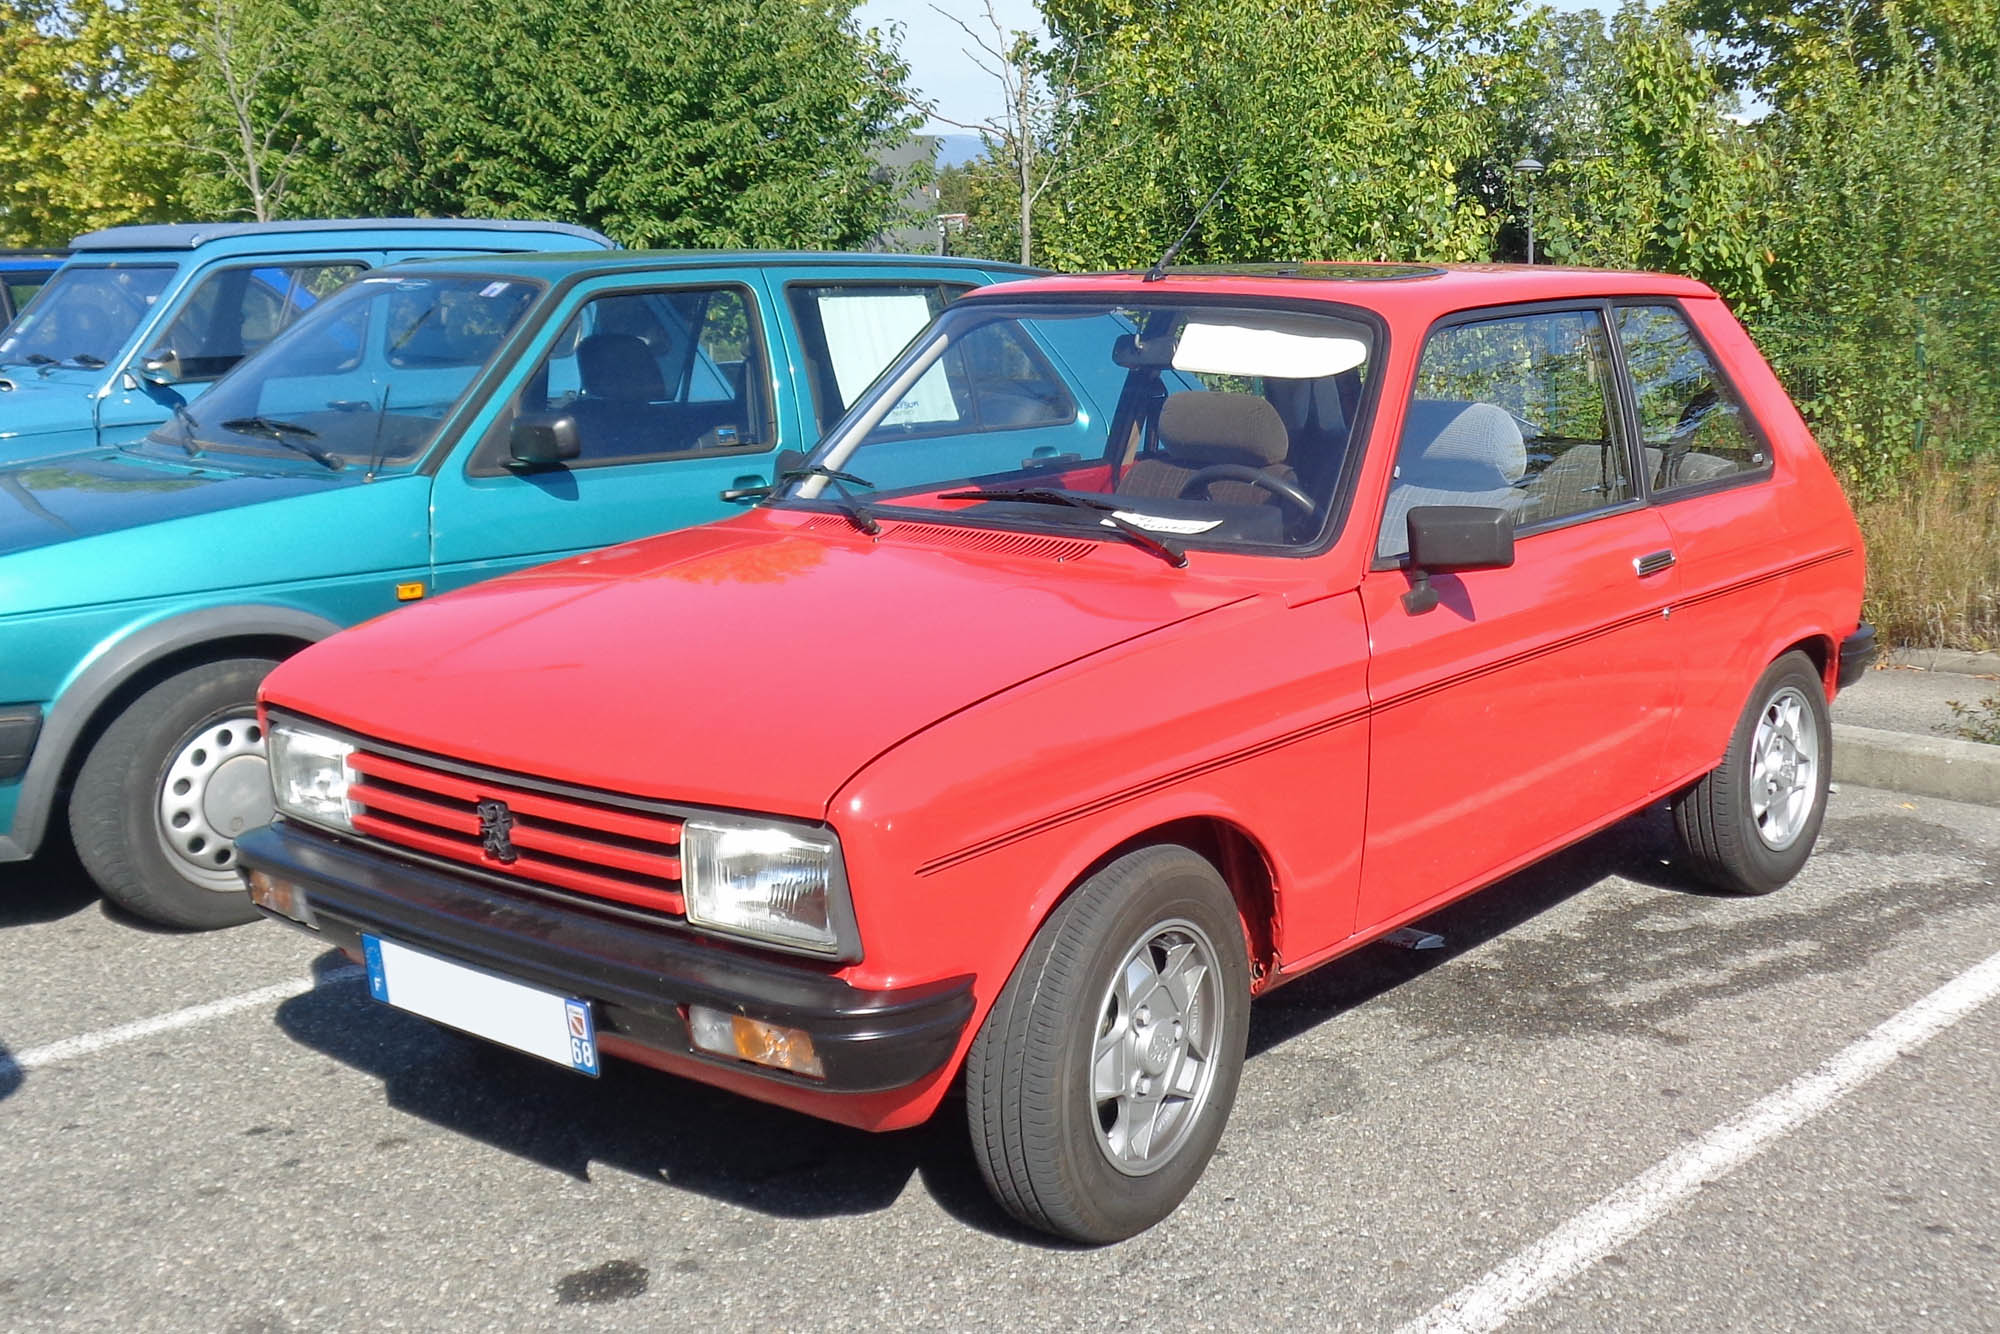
<point x="942" y="73"/>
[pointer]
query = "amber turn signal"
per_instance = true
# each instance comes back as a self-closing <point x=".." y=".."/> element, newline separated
<point x="753" y="1040"/>
<point x="281" y="897"/>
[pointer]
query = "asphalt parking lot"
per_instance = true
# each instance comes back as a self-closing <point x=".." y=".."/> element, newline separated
<point x="1609" y="1102"/>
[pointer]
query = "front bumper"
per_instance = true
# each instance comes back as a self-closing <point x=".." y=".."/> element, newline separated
<point x="639" y="979"/>
<point x="1857" y="651"/>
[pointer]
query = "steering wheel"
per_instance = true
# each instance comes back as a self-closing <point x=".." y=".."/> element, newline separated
<point x="1681" y="442"/>
<point x="1284" y="491"/>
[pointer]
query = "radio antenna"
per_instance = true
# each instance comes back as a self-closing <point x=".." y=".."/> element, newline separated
<point x="1159" y="270"/>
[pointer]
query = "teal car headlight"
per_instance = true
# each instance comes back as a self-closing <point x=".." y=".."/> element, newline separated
<point x="780" y="886"/>
<point x="310" y="776"/>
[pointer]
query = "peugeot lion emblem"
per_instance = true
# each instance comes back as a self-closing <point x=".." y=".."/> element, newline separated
<point x="496" y="828"/>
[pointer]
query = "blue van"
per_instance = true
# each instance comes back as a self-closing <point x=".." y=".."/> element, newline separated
<point x="138" y="310"/>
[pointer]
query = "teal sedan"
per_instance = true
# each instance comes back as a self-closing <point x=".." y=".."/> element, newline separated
<point x="429" y="425"/>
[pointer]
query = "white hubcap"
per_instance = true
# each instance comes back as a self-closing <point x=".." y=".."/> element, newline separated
<point x="217" y="786"/>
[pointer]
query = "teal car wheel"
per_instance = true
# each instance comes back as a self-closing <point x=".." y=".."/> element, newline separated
<point x="171" y="784"/>
<point x="217" y="786"/>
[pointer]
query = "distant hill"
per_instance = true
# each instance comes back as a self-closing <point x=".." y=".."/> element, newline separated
<point x="955" y="150"/>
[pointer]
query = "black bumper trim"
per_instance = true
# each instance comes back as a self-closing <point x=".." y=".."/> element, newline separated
<point x="1857" y="651"/>
<point x="639" y="977"/>
<point x="20" y="725"/>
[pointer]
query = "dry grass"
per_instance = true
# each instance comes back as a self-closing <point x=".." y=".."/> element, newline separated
<point x="1934" y="557"/>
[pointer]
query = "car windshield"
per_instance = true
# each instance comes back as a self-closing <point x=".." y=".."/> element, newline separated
<point x="365" y="378"/>
<point x="84" y="316"/>
<point x="1163" y="421"/>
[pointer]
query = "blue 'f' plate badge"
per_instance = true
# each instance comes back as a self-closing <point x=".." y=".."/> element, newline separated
<point x="582" y="1037"/>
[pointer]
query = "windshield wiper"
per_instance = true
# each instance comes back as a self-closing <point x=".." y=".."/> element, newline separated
<point x="857" y="513"/>
<point x="40" y="359"/>
<point x="89" y="361"/>
<point x="289" y="434"/>
<point x="1170" y="552"/>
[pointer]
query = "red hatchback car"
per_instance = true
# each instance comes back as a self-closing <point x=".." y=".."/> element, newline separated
<point x="1136" y="645"/>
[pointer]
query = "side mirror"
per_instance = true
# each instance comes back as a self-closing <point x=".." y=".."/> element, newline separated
<point x="543" y="440"/>
<point x="162" y="365"/>
<point x="788" y="460"/>
<point x="1445" y="538"/>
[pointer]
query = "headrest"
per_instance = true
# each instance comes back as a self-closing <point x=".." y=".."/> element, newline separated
<point x="1132" y="354"/>
<point x="1307" y="403"/>
<point x="1461" y="446"/>
<point x="1203" y="427"/>
<point x="619" y="367"/>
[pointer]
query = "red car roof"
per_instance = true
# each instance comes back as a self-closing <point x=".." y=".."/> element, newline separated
<point x="1413" y="290"/>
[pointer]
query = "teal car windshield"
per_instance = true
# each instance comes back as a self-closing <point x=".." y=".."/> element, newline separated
<point x="85" y="315"/>
<point x="366" y="378"/>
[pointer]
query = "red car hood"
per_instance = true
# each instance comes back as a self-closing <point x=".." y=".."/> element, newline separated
<point x="755" y="664"/>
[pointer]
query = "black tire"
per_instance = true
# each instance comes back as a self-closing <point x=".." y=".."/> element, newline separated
<point x="1038" y="1129"/>
<point x="1721" y="837"/>
<point x="115" y="812"/>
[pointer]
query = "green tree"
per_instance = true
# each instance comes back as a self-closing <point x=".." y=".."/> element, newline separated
<point x="663" y="122"/>
<point x="1885" y="219"/>
<point x="1344" y="129"/>
<point x="91" y="116"/>
<point x="1780" y="46"/>
<point x="245" y="126"/>
<point x="1645" y="168"/>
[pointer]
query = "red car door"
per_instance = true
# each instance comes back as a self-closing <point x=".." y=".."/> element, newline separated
<point x="1533" y="703"/>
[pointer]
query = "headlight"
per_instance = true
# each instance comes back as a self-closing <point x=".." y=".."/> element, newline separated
<point x="310" y="777"/>
<point x="782" y="886"/>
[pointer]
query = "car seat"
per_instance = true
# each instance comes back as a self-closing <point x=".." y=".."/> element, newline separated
<point x="1452" y="453"/>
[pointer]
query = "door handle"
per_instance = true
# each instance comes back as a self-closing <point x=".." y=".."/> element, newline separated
<point x="1652" y="562"/>
<point x="747" y="487"/>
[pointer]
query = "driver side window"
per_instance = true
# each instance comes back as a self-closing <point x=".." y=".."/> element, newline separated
<point x="1513" y="413"/>
<point x="652" y="375"/>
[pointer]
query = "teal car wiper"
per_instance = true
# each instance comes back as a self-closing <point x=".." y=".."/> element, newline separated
<point x="289" y="434"/>
<point x="1170" y="552"/>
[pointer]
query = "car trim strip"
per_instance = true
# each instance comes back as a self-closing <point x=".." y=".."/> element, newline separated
<point x="1310" y="730"/>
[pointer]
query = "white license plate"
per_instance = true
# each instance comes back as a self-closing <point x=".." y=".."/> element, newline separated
<point x="542" y="1023"/>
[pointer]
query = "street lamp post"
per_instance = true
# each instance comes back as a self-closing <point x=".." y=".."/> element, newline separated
<point x="1530" y="168"/>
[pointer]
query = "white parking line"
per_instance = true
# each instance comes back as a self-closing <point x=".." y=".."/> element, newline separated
<point x="1534" y="1273"/>
<point x="83" y="1044"/>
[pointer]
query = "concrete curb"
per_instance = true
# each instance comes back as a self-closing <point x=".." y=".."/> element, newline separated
<point x="1927" y="766"/>
<point x="1945" y="660"/>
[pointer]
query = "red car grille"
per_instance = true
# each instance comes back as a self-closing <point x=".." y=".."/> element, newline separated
<point x="630" y="857"/>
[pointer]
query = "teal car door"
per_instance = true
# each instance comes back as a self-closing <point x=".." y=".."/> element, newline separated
<point x="672" y="393"/>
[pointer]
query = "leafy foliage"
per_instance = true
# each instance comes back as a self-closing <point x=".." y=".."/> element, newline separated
<point x="1644" y="170"/>
<point x="1885" y="217"/>
<point x="91" y="104"/>
<point x="1342" y="129"/>
<point x="753" y="124"/>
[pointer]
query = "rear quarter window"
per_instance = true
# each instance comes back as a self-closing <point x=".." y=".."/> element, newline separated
<point x="1693" y="428"/>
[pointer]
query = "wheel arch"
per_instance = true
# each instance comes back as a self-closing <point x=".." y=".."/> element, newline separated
<point x="1242" y="861"/>
<point x="126" y="665"/>
<point x="1821" y="650"/>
